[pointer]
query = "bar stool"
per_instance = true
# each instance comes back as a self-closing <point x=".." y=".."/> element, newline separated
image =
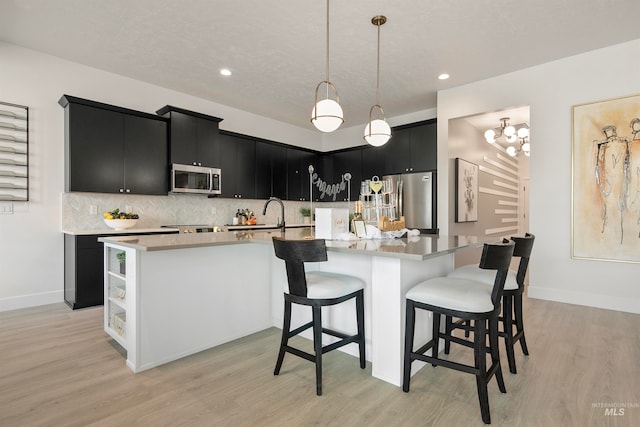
<point x="316" y="289"/>
<point x="511" y="299"/>
<point x="467" y="300"/>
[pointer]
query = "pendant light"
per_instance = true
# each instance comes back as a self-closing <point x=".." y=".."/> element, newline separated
<point x="377" y="132"/>
<point x="327" y="114"/>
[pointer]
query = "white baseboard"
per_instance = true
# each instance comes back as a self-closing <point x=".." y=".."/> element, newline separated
<point x="32" y="300"/>
<point x="629" y="305"/>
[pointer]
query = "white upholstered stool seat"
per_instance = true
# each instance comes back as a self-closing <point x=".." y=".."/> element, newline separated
<point x="454" y="294"/>
<point x="477" y="274"/>
<point x="325" y="285"/>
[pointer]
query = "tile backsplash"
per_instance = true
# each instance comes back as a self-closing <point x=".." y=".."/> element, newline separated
<point x="173" y="209"/>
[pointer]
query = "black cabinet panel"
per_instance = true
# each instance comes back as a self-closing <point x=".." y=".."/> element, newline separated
<point x="246" y="168"/>
<point x="227" y="164"/>
<point x="237" y="162"/>
<point x="279" y="172"/>
<point x="298" y="162"/>
<point x="271" y="170"/>
<point x="193" y="137"/>
<point x="348" y="161"/>
<point x="95" y="149"/>
<point x="373" y="161"/>
<point x="111" y="149"/>
<point x="397" y="152"/>
<point x="184" y="134"/>
<point x="207" y="147"/>
<point x="424" y="147"/>
<point x="145" y="156"/>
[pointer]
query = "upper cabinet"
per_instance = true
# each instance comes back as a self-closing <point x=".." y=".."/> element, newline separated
<point x="271" y="170"/>
<point x="238" y="166"/>
<point x="193" y="137"/>
<point x="412" y="148"/>
<point x="111" y="149"/>
<point x="298" y="180"/>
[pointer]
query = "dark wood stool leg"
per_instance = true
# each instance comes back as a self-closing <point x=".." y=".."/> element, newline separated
<point x="285" y="336"/>
<point x="360" y="320"/>
<point x="520" y="322"/>
<point x="495" y="353"/>
<point x="448" y="330"/>
<point x="436" y="336"/>
<point x="507" y="319"/>
<point x="480" y="356"/>
<point x="317" y="346"/>
<point x="408" y="343"/>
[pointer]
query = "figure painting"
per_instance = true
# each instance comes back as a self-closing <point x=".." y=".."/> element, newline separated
<point x="466" y="191"/>
<point x="606" y="180"/>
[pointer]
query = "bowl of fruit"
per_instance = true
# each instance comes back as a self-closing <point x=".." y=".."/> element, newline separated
<point x="120" y="220"/>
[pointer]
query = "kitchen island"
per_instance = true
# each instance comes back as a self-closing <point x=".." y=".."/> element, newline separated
<point x="184" y="293"/>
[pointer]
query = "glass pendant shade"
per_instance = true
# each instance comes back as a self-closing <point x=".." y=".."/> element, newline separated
<point x="327" y="115"/>
<point x="490" y="136"/>
<point x="511" y="138"/>
<point x="511" y="150"/>
<point x="523" y="133"/>
<point x="510" y="130"/>
<point x="377" y="132"/>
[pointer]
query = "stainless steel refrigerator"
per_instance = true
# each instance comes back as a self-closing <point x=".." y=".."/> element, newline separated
<point x="416" y="199"/>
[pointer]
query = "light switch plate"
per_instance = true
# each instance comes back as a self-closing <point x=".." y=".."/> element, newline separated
<point x="6" y="208"/>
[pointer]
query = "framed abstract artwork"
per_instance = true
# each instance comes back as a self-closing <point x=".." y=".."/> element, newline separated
<point x="605" y="181"/>
<point x="466" y="191"/>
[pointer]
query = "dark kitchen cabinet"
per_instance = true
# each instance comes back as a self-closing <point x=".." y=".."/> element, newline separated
<point x="193" y="137"/>
<point x="298" y="162"/>
<point x="412" y="148"/>
<point x="347" y="161"/>
<point x="373" y="162"/>
<point x="114" y="150"/>
<point x="238" y="165"/>
<point x="271" y="170"/>
<point x="84" y="270"/>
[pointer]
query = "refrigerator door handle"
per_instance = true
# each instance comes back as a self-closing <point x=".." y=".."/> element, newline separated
<point x="400" y="200"/>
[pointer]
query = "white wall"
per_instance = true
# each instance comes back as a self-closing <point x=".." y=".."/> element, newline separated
<point x="550" y="90"/>
<point x="31" y="253"/>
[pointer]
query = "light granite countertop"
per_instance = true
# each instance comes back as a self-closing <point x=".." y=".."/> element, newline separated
<point x="415" y="248"/>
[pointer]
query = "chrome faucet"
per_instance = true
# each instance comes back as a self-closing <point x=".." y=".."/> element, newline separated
<point x="264" y="211"/>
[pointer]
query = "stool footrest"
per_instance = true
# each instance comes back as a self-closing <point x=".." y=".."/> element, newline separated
<point x="300" y="329"/>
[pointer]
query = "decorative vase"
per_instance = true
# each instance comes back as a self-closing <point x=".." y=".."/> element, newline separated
<point x="307" y="219"/>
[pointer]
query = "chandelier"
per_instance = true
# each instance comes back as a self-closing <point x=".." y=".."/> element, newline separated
<point x="511" y="134"/>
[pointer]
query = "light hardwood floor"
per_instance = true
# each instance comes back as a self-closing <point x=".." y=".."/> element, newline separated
<point x="58" y="367"/>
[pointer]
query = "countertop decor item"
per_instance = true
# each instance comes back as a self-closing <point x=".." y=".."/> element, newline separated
<point x="120" y="220"/>
<point x="121" y="224"/>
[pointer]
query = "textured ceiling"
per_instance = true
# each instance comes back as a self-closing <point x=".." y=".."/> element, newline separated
<point x="276" y="49"/>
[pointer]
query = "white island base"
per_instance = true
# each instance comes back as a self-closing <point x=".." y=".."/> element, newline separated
<point x="188" y="293"/>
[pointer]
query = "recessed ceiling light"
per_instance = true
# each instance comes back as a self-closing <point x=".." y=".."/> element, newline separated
<point x="225" y="72"/>
<point x="443" y="76"/>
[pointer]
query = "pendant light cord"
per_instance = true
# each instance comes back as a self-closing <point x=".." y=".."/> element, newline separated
<point x="328" y="48"/>
<point x="378" y="70"/>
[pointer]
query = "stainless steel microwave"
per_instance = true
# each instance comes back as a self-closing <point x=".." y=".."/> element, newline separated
<point x="195" y="179"/>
